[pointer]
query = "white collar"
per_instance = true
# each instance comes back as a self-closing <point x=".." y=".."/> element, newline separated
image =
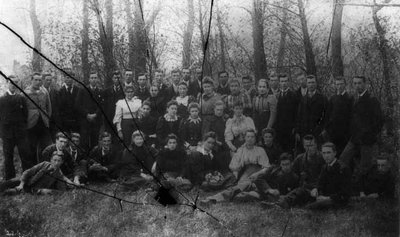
<point x="168" y="118"/>
<point x="195" y="121"/>
<point x="204" y="152"/>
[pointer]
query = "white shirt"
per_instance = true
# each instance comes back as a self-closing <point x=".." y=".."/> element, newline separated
<point x="123" y="110"/>
<point x="183" y="100"/>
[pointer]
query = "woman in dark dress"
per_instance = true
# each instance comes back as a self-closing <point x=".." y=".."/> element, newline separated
<point x="169" y="123"/>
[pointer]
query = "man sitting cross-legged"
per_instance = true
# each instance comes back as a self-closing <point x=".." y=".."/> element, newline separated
<point x="79" y="158"/>
<point x="70" y="167"/>
<point x="333" y="189"/>
<point x="103" y="163"/>
<point x="248" y="164"/>
<point x="42" y="178"/>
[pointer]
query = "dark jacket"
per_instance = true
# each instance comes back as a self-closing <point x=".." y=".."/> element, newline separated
<point x="311" y="116"/>
<point x="215" y="124"/>
<point x="85" y="103"/>
<point x="158" y="105"/>
<point x="286" y="112"/>
<point x="380" y="183"/>
<point x="164" y="128"/>
<point x="110" y="98"/>
<point x="13" y="115"/>
<point x="335" y="182"/>
<point x="273" y="153"/>
<point x="284" y="182"/>
<point x="142" y="93"/>
<point x="194" y="88"/>
<point x="183" y="110"/>
<point x="190" y="132"/>
<point x="198" y="165"/>
<point x="308" y="169"/>
<point x="171" y="161"/>
<point x="339" y="117"/>
<point x="223" y="90"/>
<point x="68" y="166"/>
<point x="67" y="111"/>
<point x="111" y="160"/>
<point x="366" y="121"/>
<point x="137" y="160"/>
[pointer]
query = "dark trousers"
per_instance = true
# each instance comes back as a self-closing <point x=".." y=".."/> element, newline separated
<point x="9" y="143"/>
<point x="298" y="197"/>
<point x="90" y="133"/>
<point x="39" y="138"/>
<point x="285" y="139"/>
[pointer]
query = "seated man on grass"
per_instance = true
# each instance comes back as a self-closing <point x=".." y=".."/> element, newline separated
<point x="248" y="165"/>
<point x="103" y="164"/>
<point x="42" y="178"/>
<point x="379" y="181"/>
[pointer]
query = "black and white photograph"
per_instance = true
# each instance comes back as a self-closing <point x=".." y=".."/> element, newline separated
<point x="199" y="118"/>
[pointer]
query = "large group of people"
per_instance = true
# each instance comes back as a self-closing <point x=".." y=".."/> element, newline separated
<point x="246" y="139"/>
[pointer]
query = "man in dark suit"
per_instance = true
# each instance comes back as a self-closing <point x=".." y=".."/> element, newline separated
<point x="162" y="87"/>
<point x="13" y="117"/>
<point x="52" y="90"/>
<point x="333" y="189"/>
<point x="223" y="85"/>
<point x="312" y="111"/>
<point x="366" y="124"/>
<point x="110" y="97"/>
<point x="173" y="88"/>
<point x="142" y="90"/>
<point x="339" y="115"/>
<point x="89" y="112"/>
<point x="68" y="118"/>
<point x="194" y="88"/>
<point x="302" y="81"/>
<point x="286" y="115"/>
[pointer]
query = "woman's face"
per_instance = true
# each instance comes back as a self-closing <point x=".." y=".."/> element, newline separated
<point x="209" y="144"/>
<point x="268" y="139"/>
<point x="153" y="91"/>
<point x="146" y="110"/>
<point x="194" y="113"/>
<point x="171" y="144"/>
<point x="138" y="140"/>
<point x="129" y="94"/>
<point x="182" y="90"/>
<point x="262" y="88"/>
<point x="172" y="109"/>
<point x="238" y="111"/>
<point x="250" y="138"/>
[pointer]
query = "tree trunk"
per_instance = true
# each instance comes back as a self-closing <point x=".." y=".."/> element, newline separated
<point x="207" y="70"/>
<point x="222" y="41"/>
<point x="37" y="38"/>
<point x="85" y="43"/>
<point x="383" y="49"/>
<point x="260" y="62"/>
<point x="282" y="41"/>
<point x="187" y="37"/>
<point x="310" y="60"/>
<point x="131" y="35"/>
<point x="140" y="46"/>
<point x="336" y="40"/>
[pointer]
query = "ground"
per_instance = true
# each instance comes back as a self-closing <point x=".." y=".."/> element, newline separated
<point x="85" y="213"/>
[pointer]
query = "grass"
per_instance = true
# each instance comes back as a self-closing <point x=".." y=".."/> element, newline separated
<point x="84" y="213"/>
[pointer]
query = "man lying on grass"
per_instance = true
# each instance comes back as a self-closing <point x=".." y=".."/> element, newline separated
<point x="43" y="178"/>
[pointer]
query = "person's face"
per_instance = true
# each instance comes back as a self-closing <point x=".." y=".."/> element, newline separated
<point x="68" y="81"/>
<point x="138" y="140"/>
<point x="238" y="111"/>
<point x="172" y="110"/>
<point x="128" y="77"/>
<point x="56" y="161"/>
<point x="268" y="139"/>
<point x="194" y="113"/>
<point x="142" y="81"/>
<point x="186" y="74"/>
<point x="11" y="87"/>
<point x="209" y="144"/>
<point x="284" y="83"/>
<point x="171" y="144"/>
<point x="198" y="74"/>
<point x="47" y="81"/>
<point x="219" y="111"/>
<point x="359" y="85"/>
<point x="116" y="79"/>
<point x="311" y="84"/>
<point x="310" y="146"/>
<point x="274" y="82"/>
<point x="234" y="87"/>
<point x="182" y="90"/>
<point x="129" y="94"/>
<point x="247" y="84"/>
<point x="250" y="138"/>
<point x="61" y="143"/>
<point x="301" y="79"/>
<point x="286" y="166"/>
<point x="262" y="88"/>
<point x="223" y="78"/>
<point x="106" y="143"/>
<point x="36" y="81"/>
<point x="145" y="110"/>
<point x="93" y="79"/>
<point x="328" y="154"/>
<point x="382" y="166"/>
<point x="207" y="89"/>
<point x="159" y="77"/>
<point x="75" y="142"/>
<point x="176" y="78"/>
<point x="153" y="91"/>
<point x="340" y="86"/>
